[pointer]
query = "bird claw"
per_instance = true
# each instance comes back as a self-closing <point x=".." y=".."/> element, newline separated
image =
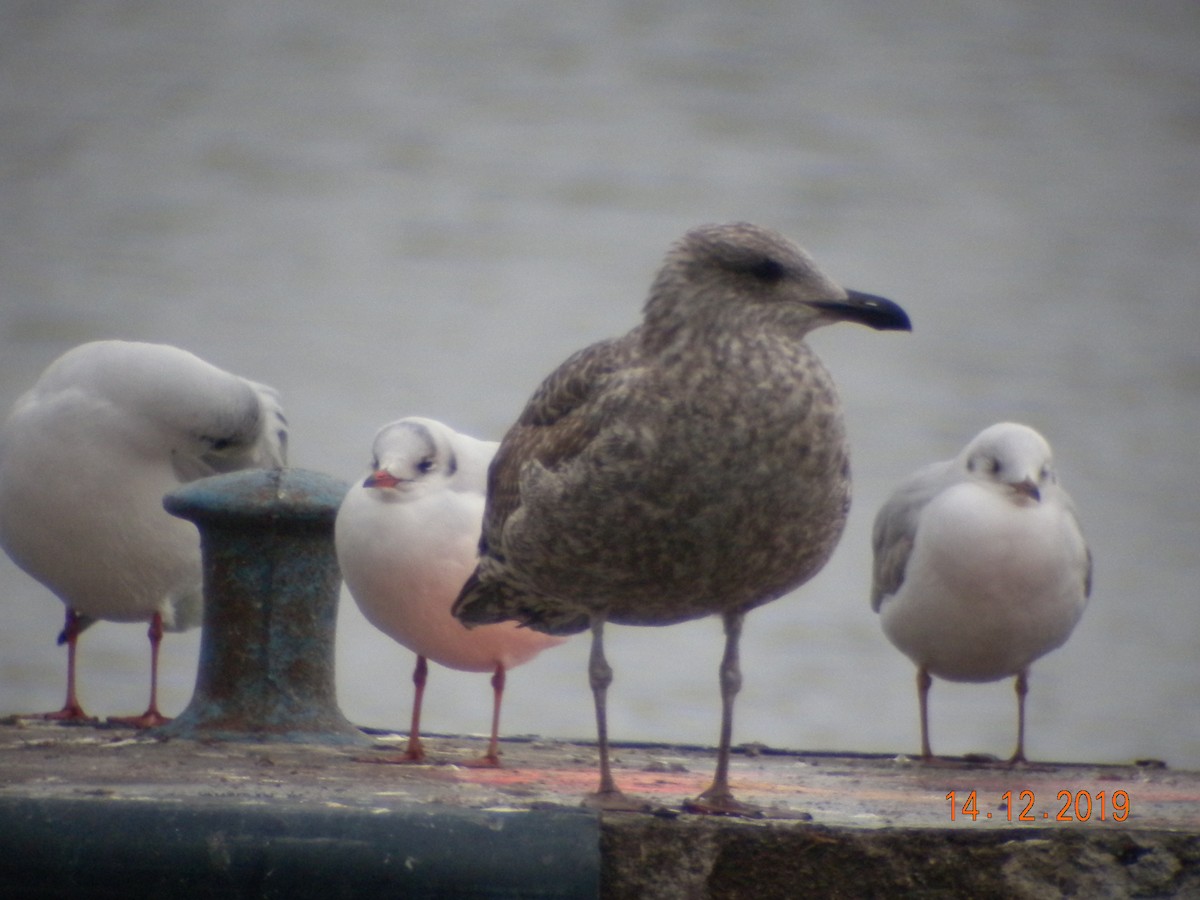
<point x="617" y="801"/>
<point x="72" y="714"/>
<point x="721" y="803"/>
<point x="151" y="718"/>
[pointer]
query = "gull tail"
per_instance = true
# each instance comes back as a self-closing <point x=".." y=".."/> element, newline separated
<point x="486" y="601"/>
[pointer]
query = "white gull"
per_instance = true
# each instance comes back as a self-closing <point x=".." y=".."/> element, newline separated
<point x="980" y="566"/>
<point x="85" y="458"/>
<point x="406" y="541"/>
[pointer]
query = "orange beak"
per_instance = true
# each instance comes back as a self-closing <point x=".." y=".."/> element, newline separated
<point x="381" y="478"/>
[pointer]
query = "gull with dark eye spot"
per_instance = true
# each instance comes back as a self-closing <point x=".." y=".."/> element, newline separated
<point x="405" y="538"/>
<point x="85" y="459"/>
<point x="696" y="466"/>
<point x="980" y="566"/>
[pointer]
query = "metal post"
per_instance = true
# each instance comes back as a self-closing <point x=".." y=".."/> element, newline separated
<point x="270" y="591"/>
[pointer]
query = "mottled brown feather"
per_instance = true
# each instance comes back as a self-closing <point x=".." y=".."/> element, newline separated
<point x="554" y="426"/>
<point x="696" y="465"/>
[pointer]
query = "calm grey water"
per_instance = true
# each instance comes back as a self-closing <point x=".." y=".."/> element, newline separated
<point x="386" y="212"/>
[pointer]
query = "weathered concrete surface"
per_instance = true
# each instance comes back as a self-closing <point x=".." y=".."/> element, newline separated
<point x="691" y="858"/>
<point x="836" y="825"/>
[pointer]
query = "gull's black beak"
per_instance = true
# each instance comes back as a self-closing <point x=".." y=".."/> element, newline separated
<point x="1028" y="488"/>
<point x="879" y="313"/>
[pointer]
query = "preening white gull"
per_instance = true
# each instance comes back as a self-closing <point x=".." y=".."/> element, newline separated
<point x="86" y="457"/>
<point x="980" y="566"/>
<point x="696" y="466"/>
<point x="406" y="538"/>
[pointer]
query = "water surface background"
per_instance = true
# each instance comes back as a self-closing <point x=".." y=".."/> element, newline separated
<point x="384" y="212"/>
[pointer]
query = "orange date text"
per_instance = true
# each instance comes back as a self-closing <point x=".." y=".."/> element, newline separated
<point x="1022" y="806"/>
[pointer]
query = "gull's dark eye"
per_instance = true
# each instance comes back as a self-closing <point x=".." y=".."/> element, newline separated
<point x="426" y="465"/>
<point x="768" y="270"/>
<point x="990" y="464"/>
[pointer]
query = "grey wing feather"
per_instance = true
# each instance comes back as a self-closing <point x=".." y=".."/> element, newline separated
<point x="81" y="622"/>
<point x="896" y="529"/>
<point x="1087" y="575"/>
<point x="1087" y="564"/>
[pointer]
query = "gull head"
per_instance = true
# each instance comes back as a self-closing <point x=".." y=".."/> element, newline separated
<point x="1015" y="458"/>
<point x="411" y="456"/>
<point x="718" y="274"/>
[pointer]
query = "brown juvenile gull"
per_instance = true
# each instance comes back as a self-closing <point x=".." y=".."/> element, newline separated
<point x="86" y="456"/>
<point x="980" y="566"/>
<point x="697" y="465"/>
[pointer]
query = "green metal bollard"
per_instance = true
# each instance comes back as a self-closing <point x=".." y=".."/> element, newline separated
<point x="271" y="585"/>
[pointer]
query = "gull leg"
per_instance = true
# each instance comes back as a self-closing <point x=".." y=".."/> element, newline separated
<point x="415" y="752"/>
<point x="608" y="795"/>
<point x="151" y="717"/>
<point x="71" y="711"/>
<point x="1022" y="688"/>
<point x="719" y="799"/>
<point x="923" y="683"/>
<point x="491" y="759"/>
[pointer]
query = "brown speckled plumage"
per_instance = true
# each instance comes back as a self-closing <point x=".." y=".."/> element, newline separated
<point x="696" y="465"/>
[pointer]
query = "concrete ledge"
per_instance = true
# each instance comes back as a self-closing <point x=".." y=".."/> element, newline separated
<point x="104" y="811"/>
<point x="689" y="858"/>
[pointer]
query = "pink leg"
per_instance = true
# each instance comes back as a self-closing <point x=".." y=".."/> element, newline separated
<point x="491" y="759"/>
<point x="151" y="717"/>
<point x="71" y="711"/>
<point x="415" y="752"/>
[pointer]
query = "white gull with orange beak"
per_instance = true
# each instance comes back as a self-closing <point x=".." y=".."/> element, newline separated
<point x="980" y="565"/>
<point x="407" y="538"/>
